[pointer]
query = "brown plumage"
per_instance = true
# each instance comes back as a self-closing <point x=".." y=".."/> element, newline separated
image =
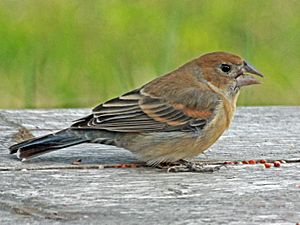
<point x="176" y="116"/>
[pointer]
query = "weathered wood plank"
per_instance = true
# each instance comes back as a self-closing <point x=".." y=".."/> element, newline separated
<point x="238" y="194"/>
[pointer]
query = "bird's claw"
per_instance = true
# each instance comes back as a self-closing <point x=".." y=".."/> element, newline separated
<point x="185" y="166"/>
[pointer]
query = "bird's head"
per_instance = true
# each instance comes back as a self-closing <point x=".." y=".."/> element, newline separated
<point x="226" y="71"/>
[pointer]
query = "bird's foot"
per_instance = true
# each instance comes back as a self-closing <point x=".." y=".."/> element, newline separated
<point x="186" y="166"/>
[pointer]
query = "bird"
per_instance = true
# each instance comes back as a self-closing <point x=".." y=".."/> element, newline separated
<point x="174" y="117"/>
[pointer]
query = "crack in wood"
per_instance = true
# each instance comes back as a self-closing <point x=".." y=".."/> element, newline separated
<point x="121" y="166"/>
<point x="34" y="211"/>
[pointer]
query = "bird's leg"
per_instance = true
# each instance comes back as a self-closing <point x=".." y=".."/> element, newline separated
<point x="187" y="166"/>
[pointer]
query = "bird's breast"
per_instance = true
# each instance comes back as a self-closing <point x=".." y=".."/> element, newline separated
<point x="216" y="127"/>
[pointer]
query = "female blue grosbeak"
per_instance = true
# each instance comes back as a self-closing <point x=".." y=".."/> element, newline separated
<point x="176" y="116"/>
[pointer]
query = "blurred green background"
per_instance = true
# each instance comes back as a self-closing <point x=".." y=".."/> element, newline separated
<point x="64" y="53"/>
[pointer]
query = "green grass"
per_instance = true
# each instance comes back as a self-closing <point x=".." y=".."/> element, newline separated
<point x="64" y="53"/>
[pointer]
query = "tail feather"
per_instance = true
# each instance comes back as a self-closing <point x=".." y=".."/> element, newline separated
<point x="47" y="143"/>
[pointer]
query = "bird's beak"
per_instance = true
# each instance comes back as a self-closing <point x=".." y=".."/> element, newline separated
<point x="245" y="80"/>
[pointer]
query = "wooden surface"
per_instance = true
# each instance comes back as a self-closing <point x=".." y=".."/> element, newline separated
<point x="237" y="194"/>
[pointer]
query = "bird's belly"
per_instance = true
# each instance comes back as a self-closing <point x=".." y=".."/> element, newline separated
<point x="161" y="146"/>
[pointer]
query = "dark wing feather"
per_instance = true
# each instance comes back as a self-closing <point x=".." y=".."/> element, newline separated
<point x="139" y="112"/>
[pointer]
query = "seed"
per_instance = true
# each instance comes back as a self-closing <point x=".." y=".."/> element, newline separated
<point x="267" y="165"/>
<point x="252" y="161"/>
<point x="277" y="164"/>
<point x="263" y="161"/>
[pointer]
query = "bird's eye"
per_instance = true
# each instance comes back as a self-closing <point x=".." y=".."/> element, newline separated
<point x="225" y="68"/>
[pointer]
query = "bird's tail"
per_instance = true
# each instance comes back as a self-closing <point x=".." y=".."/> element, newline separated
<point x="47" y="143"/>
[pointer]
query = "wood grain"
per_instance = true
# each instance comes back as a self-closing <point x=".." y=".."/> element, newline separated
<point x="238" y="194"/>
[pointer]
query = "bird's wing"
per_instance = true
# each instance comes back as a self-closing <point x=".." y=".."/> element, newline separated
<point x="137" y="111"/>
